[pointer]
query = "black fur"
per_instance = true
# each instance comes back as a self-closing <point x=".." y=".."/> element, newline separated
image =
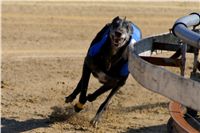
<point x="107" y="63"/>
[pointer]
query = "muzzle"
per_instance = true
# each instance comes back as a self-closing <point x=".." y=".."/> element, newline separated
<point x="118" y="38"/>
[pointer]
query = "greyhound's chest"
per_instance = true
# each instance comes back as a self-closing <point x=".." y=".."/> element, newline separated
<point x="110" y="65"/>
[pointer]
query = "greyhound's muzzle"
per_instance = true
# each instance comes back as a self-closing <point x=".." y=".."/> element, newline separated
<point x="118" y="38"/>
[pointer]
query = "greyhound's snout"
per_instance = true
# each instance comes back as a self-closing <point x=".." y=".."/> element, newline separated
<point x="118" y="34"/>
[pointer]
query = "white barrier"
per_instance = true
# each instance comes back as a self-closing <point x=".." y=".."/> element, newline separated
<point x="160" y="80"/>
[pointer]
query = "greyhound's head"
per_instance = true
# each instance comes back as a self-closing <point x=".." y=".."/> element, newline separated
<point x="120" y="32"/>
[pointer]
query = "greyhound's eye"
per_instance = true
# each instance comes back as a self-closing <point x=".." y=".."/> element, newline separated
<point x="116" y="23"/>
<point x="114" y="26"/>
<point x="126" y="25"/>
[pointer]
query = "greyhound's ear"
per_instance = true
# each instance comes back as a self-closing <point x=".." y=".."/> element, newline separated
<point x="124" y="19"/>
<point x="115" y="19"/>
<point x="130" y="28"/>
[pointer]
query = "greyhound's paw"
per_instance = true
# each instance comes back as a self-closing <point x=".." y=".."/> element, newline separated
<point x="78" y="107"/>
<point x="91" y="98"/>
<point x="94" y="122"/>
<point x="69" y="99"/>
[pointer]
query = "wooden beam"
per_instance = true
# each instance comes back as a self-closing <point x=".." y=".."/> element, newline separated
<point x="170" y="47"/>
<point x="162" y="61"/>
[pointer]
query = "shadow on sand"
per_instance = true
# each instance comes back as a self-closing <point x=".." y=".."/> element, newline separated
<point x="151" y="129"/>
<point x="14" y="126"/>
<point x="59" y="114"/>
<point x="144" y="107"/>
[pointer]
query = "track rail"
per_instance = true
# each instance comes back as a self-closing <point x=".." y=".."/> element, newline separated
<point x="158" y="79"/>
<point x="147" y="71"/>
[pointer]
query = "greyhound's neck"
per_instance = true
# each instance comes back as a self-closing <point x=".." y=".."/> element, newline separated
<point x="113" y="50"/>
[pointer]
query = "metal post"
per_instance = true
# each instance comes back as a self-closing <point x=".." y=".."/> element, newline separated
<point x="183" y="58"/>
<point x="196" y="54"/>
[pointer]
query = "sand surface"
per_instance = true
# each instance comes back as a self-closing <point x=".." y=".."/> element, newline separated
<point x="43" y="48"/>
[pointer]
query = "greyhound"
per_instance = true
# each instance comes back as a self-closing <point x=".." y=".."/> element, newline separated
<point x="107" y="60"/>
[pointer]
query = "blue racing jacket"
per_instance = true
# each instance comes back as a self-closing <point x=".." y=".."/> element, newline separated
<point x="96" y="47"/>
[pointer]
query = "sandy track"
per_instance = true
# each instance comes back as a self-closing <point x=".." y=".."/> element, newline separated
<point x="44" y="44"/>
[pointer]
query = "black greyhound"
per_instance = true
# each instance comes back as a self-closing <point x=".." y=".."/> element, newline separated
<point x="107" y="60"/>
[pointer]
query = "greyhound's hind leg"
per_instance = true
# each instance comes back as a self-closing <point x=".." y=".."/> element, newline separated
<point x="103" y="107"/>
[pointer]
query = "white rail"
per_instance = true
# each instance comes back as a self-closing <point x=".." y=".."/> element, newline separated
<point x="160" y="80"/>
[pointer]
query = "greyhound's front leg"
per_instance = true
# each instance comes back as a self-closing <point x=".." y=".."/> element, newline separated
<point x="82" y="85"/>
<point x="103" y="106"/>
<point x="83" y="88"/>
<point x="73" y="95"/>
<point x="98" y="92"/>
